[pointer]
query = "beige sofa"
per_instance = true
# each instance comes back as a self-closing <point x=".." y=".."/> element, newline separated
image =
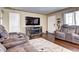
<point x="14" y="42"/>
<point x="70" y="33"/>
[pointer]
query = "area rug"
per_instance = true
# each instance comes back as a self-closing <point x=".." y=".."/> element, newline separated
<point x="43" y="45"/>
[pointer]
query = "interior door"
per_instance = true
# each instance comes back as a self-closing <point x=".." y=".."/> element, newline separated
<point x="51" y="24"/>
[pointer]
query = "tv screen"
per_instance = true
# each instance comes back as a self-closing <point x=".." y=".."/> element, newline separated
<point x="32" y="21"/>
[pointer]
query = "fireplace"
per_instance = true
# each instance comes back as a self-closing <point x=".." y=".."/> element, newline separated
<point x="35" y="30"/>
<point x="32" y="31"/>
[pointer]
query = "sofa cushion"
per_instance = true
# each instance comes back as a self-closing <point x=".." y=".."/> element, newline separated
<point x="26" y="47"/>
<point x="68" y="37"/>
<point x="75" y="38"/>
<point x="15" y="43"/>
<point x="72" y="29"/>
<point x="13" y="35"/>
<point x="64" y="28"/>
<point x="2" y="48"/>
<point x="77" y="30"/>
<point x="17" y="37"/>
<point x="13" y="40"/>
<point x="9" y="40"/>
<point x="23" y="36"/>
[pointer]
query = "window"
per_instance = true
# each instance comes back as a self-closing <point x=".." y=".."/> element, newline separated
<point x="69" y="18"/>
<point x="1" y="18"/>
<point x="77" y="17"/>
<point x="14" y="22"/>
<point x="72" y="18"/>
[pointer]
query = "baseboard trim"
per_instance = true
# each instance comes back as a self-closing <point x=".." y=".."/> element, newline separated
<point x="48" y="33"/>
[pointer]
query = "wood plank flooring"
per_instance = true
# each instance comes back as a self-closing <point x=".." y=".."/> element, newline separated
<point x="68" y="45"/>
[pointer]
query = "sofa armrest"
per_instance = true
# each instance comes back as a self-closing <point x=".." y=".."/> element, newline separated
<point x="68" y="36"/>
<point x="11" y="44"/>
<point x="75" y="36"/>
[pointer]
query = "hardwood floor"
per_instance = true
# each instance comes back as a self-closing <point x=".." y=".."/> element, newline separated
<point x="68" y="45"/>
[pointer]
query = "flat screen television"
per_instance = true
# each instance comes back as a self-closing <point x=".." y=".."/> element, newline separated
<point x="32" y="21"/>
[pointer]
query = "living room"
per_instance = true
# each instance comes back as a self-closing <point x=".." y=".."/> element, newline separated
<point x="39" y="29"/>
<point x="48" y="29"/>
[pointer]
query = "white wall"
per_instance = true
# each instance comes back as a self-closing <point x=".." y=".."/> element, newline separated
<point x="43" y="19"/>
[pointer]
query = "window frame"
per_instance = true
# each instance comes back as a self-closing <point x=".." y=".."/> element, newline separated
<point x="74" y="12"/>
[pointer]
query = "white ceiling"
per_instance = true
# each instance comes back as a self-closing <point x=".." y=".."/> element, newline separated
<point x="41" y="10"/>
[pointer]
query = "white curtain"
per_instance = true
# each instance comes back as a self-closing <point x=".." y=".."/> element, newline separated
<point x="1" y="17"/>
<point x="69" y="18"/>
<point x="77" y="17"/>
<point x="14" y="22"/>
<point x="72" y="18"/>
